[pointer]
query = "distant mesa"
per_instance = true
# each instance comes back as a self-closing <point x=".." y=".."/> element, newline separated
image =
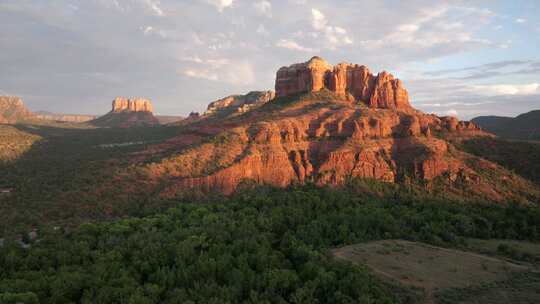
<point x="128" y="112"/>
<point x="121" y="104"/>
<point x="351" y="81"/>
<point x="13" y="110"/>
<point x="60" y="117"/>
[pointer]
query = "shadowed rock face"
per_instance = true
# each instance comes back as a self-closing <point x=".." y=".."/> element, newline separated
<point x="351" y="81"/>
<point x="13" y="110"/>
<point x="131" y="104"/>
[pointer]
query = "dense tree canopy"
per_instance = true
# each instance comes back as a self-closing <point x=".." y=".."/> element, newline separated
<point x="261" y="246"/>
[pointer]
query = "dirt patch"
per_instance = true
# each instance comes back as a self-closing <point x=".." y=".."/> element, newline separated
<point x="430" y="268"/>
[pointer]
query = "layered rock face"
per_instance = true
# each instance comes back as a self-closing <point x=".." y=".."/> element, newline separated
<point x="131" y="104"/>
<point x="240" y="103"/>
<point x="351" y="81"/>
<point x="325" y="146"/>
<point x="13" y="110"/>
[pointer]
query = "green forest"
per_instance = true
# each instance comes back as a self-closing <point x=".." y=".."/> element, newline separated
<point x="263" y="245"/>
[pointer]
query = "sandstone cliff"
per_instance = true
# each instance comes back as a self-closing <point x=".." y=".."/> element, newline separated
<point x="128" y="112"/>
<point x="351" y="81"/>
<point x="120" y="104"/>
<point x="13" y="110"/>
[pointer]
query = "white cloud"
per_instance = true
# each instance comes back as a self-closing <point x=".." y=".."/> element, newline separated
<point x="201" y="74"/>
<point x="506" y="89"/>
<point x="452" y="112"/>
<point x="335" y="35"/>
<point x="220" y="4"/>
<point x="151" y="6"/>
<point x="264" y="8"/>
<point x="293" y="45"/>
<point x="408" y="28"/>
<point x="435" y="28"/>
<point x="150" y="30"/>
<point x="318" y="19"/>
<point x="521" y="20"/>
<point x="155" y="7"/>
<point x="219" y="69"/>
<point x="261" y="30"/>
<point x="239" y="74"/>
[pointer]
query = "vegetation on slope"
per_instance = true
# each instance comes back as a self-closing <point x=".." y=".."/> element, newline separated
<point x="262" y="246"/>
<point x="525" y="126"/>
<point x="521" y="157"/>
<point x="14" y="143"/>
<point x="58" y="179"/>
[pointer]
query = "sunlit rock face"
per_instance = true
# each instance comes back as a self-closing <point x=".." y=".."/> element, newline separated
<point x="351" y="81"/>
<point x="360" y="126"/>
<point x="128" y="112"/>
<point x="364" y="128"/>
<point x="240" y="103"/>
<point x="131" y="104"/>
<point x="13" y="110"/>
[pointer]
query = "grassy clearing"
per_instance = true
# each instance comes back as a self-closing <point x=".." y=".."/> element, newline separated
<point x="515" y="250"/>
<point x="432" y="269"/>
<point x="520" y="288"/>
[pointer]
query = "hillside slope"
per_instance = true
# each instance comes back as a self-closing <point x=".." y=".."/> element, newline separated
<point x="525" y="126"/>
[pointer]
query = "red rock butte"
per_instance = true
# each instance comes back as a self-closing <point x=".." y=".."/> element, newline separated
<point x="120" y="104"/>
<point x="359" y="126"/>
<point x="352" y="81"/>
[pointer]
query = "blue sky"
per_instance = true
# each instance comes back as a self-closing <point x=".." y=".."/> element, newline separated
<point x="463" y="58"/>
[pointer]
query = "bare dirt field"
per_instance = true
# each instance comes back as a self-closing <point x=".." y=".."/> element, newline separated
<point x="444" y="274"/>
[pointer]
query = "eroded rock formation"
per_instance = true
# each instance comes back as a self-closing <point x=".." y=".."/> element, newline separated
<point x="351" y="81"/>
<point x="128" y="112"/>
<point x="365" y="129"/>
<point x="131" y="104"/>
<point x="240" y="103"/>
